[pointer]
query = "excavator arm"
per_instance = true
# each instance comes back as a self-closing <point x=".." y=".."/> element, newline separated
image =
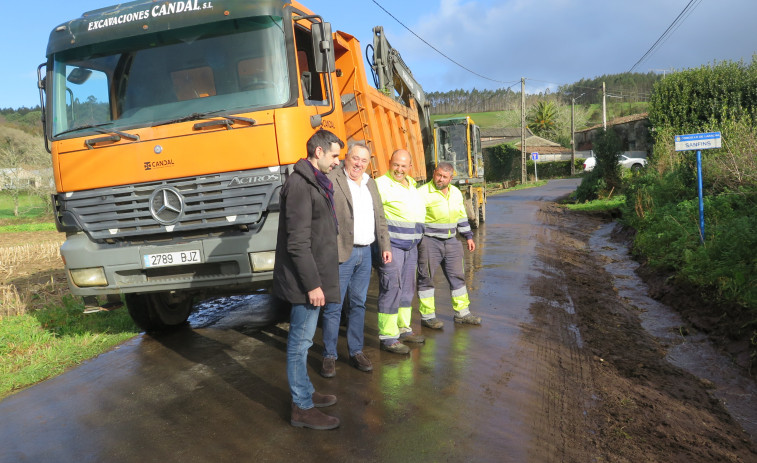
<point x="396" y="80"/>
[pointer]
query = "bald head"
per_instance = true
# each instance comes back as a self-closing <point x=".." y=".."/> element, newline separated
<point x="400" y="164"/>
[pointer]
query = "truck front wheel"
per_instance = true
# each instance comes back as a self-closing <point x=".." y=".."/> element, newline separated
<point x="159" y="311"/>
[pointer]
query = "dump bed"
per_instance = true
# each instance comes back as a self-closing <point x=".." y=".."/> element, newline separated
<point x="383" y="123"/>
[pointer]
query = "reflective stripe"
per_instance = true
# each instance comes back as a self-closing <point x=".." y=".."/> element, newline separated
<point x="445" y="215"/>
<point x="459" y="292"/>
<point x="440" y="230"/>
<point x="426" y="293"/>
<point x="463" y="226"/>
<point x="404" y="208"/>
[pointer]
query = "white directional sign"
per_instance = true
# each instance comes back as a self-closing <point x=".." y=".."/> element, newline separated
<point x="698" y="141"/>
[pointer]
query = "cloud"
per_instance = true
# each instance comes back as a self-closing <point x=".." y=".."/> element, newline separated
<point x="562" y="41"/>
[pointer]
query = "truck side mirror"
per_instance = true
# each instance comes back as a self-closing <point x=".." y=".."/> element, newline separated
<point x="323" y="47"/>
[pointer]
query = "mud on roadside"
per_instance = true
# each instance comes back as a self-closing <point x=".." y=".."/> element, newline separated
<point x="640" y="407"/>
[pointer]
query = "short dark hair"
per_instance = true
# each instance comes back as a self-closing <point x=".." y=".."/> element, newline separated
<point x="324" y="139"/>
<point x="446" y="167"/>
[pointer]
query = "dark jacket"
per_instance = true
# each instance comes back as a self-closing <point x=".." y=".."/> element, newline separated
<point x="306" y="252"/>
<point x="346" y="216"/>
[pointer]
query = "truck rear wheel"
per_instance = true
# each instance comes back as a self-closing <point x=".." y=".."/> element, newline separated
<point x="159" y="311"/>
<point x="471" y="209"/>
<point x="482" y="211"/>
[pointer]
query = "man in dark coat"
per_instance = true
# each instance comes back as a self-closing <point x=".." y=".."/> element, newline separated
<point x="361" y="224"/>
<point x="306" y="272"/>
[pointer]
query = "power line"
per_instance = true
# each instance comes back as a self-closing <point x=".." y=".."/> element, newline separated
<point x="437" y="50"/>
<point x="673" y="26"/>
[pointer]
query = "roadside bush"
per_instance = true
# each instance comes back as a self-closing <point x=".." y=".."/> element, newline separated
<point x="670" y="239"/>
<point x="590" y="188"/>
<point x="551" y="169"/>
<point x="605" y="179"/>
<point x="502" y="163"/>
<point x="662" y="203"/>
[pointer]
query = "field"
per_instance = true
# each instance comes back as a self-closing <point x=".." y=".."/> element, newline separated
<point x="43" y="329"/>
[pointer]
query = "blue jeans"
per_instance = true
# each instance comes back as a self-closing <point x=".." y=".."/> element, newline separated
<point x="302" y="323"/>
<point x="355" y="274"/>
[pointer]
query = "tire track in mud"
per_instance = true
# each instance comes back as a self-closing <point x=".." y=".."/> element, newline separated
<point x="608" y="392"/>
<point x="562" y="371"/>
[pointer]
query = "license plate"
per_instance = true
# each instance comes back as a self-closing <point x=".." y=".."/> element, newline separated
<point x="165" y="259"/>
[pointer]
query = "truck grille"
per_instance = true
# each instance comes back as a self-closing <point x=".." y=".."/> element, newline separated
<point x="201" y="204"/>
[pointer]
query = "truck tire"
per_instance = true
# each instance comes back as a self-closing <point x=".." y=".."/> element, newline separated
<point x="159" y="311"/>
<point x="482" y="211"/>
<point x="471" y="209"/>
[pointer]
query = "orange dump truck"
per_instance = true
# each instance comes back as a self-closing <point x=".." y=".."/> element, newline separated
<point x="172" y="126"/>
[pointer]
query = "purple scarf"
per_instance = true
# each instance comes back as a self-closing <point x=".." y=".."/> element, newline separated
<point x="328" y="187"/>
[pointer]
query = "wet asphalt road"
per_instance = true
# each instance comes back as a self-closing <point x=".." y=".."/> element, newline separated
<point x="218" y="391"/>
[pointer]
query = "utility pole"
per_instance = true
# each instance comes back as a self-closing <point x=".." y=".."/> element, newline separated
<point x="523" y="130"/>
<point x="604" y="106"/>
<point x="573" y="137"/>
<point x="573" y="133"/>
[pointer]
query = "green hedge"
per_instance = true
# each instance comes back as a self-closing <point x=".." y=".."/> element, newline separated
<point x="503" y="163"/>
<point x="662" y="204"/>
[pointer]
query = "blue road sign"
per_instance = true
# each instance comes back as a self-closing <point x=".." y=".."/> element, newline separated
<point x="698" y="141"/>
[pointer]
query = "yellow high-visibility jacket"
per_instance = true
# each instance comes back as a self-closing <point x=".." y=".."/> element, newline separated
<point x="445" y="215"/>
<point x="404" y="208"/>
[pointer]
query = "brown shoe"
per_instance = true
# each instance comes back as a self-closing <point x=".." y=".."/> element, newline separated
<point x="396" y="347"/>
<point x="361" y="362"/>
<point x="323" y="400"/>
<point x="410" y="337"/>
<point x="433" y="323"/>
<point x="312" y="418"/>
<point x="328" y="369"/>
<point x="469" y="319"/>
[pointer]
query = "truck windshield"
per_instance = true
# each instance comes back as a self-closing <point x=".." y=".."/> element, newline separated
<point x="453" y="148"/>
<point x="224" y="67"/>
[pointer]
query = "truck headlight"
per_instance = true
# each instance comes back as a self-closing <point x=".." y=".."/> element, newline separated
<point x="262" y="261"/>
<point x="85" y="277"/>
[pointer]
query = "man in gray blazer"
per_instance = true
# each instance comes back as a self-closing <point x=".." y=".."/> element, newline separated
<point x="362" y="223"/>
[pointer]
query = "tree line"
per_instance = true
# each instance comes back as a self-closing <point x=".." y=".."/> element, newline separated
<point x="628" y="87"/>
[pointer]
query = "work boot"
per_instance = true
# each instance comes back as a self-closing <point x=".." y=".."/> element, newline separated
<point x="361" y="362"/>
<point x="469" y="319"/>
<point x="396" y="347"/>
<point x="410" y="337"/>
<point x="312" y="418"/>
<point x="433" y="323"/>
<point x="328" y="369"/>
<point x="323" y="400"/>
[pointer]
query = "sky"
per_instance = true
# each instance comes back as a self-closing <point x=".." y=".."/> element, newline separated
<point x="466" y="44"/>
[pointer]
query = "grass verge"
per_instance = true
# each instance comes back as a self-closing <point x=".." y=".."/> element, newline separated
<point x="24" y="227"/>
<point x="43" y="330"/>
<point x="43" y="343"/>
<point x="598" y="205"/>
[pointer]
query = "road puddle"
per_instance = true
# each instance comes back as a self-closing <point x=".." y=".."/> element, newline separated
<point x="251" y="310"/>
<point x="688" y="350"/>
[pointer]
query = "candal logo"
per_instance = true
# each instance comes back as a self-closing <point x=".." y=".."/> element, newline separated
<point x="253" y="180"/>
<point x="150" y="165"/>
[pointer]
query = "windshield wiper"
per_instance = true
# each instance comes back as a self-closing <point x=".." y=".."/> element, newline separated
<point x="190" y="117"/>
<point x="98" y="128"/>
<point x="227" y="121"/>
<point x="113" y="136"/>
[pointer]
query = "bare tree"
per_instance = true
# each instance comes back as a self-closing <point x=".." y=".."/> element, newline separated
<point x="24" y="166"/>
